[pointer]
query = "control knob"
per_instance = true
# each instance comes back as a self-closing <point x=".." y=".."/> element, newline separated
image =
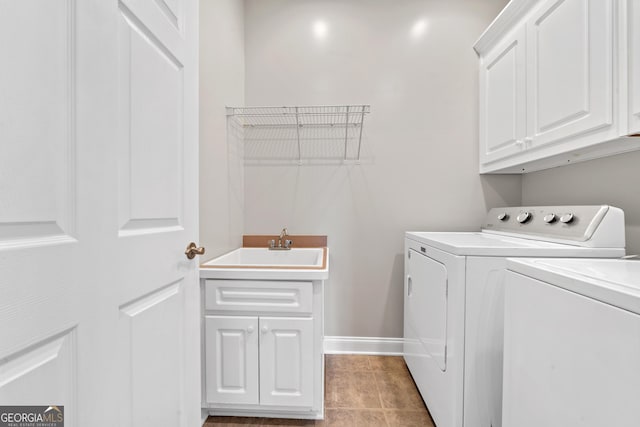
<point x="503" y="216"/>
<point x="523" y="217"/>
<point x="567" y="218"/>
<point x="550" y="218"/>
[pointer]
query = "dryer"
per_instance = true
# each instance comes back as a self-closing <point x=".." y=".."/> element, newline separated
<point x="572" y="343"/>
<point x="454" y="299"/>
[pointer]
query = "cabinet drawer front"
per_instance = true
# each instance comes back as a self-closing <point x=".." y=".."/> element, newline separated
<point x="259" y="296"/>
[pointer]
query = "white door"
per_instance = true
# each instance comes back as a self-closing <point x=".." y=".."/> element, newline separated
<point x="157" y="286"/>
<point x="286" y="361"/>
<point x="569" y="73"/>
<point x="634" y="66"/>
<point x="98" y="200"/>
<point x="502" y="99"/>
<point x="232" y="359"/>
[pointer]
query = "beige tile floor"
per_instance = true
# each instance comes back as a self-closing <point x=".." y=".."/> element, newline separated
<point x="367" y="391"/>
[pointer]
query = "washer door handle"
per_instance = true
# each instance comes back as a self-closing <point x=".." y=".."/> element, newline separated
<point x="409" y="286"/>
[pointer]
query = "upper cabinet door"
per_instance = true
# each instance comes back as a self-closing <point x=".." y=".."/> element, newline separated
<point x="634" y="66"/>
<point x="569" y="70"/>
<point x="502" y="99"/>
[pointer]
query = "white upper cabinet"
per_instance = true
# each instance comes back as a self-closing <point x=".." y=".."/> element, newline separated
<point x="569" y="66"/>
<point x="502" y="96"/>
<point x="634" y="66"/>
<point x="553" y="81"/>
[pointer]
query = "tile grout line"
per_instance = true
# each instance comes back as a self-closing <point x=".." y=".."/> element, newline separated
<point x="375" y="381"/>
<point x="386" y="416"/>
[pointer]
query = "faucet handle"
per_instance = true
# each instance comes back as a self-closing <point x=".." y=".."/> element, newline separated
<point x="288" y="243"/>
<point x="272" y="243"/>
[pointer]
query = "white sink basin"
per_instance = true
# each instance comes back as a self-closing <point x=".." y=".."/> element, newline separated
<point x="262" y="263"/>
<point x="262" y="257"/>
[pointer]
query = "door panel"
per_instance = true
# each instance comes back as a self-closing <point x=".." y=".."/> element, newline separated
<point x="40" y="243"/>
<point x="151" y="111"/>
<point x="171" y="9"/>
<point x="557" y="73"/>
<point x="428" y="307"/>
<point x="634" y="66"/>
<point x="569" y="83"/>
<point x="484" y="324"/>
<point x="251" y="295"/>
<point x="165" y="20"/>
<point x="502" y="91"/>
<point x="157" y="205"/>
<point x="151" y="338"/>
<point x="43" y="372"/>
<point x="232" y="359"/>
<point x="286" y="361"/>
<point x="37" y="153"/>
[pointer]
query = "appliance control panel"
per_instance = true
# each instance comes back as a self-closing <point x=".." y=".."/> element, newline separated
<point x="560" y="222"/>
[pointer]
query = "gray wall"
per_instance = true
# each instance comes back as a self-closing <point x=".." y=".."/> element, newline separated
<point x="421" y="138"/>
<point x="221" y="83"/>
<point x="613" y="181"/>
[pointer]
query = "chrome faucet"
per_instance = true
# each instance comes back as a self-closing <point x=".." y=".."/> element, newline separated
<point x="284" y="233"/>
<point x="283" y="244"/>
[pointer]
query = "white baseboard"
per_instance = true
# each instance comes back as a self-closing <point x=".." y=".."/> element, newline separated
<point x="363" y="345"/>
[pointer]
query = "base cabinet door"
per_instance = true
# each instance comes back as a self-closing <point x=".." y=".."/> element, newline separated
<point x="286" y="361"/>
<point x="569" y="70"/>
<point x="232" y="359"/>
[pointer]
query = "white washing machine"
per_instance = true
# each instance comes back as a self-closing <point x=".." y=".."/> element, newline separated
<point x="453" y="301"/>
<point x="572" y="343"/>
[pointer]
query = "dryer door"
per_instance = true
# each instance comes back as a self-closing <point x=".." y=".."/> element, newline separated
<point x="427" y="305"/>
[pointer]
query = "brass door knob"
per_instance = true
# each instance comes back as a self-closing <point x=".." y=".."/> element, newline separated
<point x="193" y="250"/>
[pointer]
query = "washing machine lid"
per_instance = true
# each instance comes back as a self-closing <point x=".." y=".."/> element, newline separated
<point x="489" y="244"/>
<point x="612" y="281"/>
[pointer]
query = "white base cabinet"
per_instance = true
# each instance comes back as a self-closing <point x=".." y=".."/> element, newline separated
<point x="555" y="76"/>
<point x="263" y="348"/>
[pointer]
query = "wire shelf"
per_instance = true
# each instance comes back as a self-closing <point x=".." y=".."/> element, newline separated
<point x="301" y="132"/>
